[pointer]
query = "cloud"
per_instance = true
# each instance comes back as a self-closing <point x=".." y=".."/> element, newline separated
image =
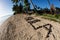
<point x="5" y="8"/>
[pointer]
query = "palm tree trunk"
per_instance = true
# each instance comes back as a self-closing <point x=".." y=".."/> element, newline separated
<point x="32" y="3"/>
<point x="48" y="2"/>
<point x="33" y="6"/>
<point x="50" y="6"/>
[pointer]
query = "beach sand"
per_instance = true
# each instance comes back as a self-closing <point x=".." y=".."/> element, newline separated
<point x="18" y="27"/>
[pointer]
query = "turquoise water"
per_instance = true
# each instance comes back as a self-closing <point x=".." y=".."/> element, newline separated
<point x="3" y="18"/>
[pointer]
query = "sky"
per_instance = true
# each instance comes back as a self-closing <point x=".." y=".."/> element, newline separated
<point x="44" y="3"/>
<point x="6" y="5"/>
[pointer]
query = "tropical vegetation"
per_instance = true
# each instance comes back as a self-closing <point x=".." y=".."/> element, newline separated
<point x="20" y="6"/>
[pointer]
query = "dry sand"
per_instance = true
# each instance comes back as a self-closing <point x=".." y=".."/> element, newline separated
<point x="19" y="27"/>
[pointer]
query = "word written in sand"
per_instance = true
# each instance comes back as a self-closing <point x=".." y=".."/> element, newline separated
<point x="31" y="21"/>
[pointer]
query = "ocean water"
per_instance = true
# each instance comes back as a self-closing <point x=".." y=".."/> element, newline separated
<point x="4" y="18"/>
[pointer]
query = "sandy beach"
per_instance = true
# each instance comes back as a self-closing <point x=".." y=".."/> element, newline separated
<point x="29" y="27"/>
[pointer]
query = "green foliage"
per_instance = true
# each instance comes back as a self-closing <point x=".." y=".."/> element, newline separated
<point x="26" y="4"/>
<point x="17" y="5"/>
<point x="17" y="9"/>
<point x="55" y="18"/>
<point x="15" y="1"/>
<point x="57" y="8"/>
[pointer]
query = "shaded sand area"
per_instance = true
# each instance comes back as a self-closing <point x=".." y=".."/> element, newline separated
<point x="25" y="27"/>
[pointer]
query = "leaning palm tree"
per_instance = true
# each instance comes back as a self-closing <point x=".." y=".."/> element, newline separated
<point x="49" y="2"/>
<point x="15" y="1"/>
<point x="32" y="3"/>
<point x="33" y="6"/>
<point x="26" y="6"/>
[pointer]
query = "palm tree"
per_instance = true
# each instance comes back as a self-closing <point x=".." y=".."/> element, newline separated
<point x="32" y="3"/>
<point x="26" y="5"/>
<point x="49" y="2"/>
<point x="15" y="1"/>
<point x="49" y="5"/>
<point x="17" y="8"/>
<point x="33" y="6"/>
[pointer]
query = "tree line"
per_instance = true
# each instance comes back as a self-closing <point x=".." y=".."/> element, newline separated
<point x="24" y="6"/>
